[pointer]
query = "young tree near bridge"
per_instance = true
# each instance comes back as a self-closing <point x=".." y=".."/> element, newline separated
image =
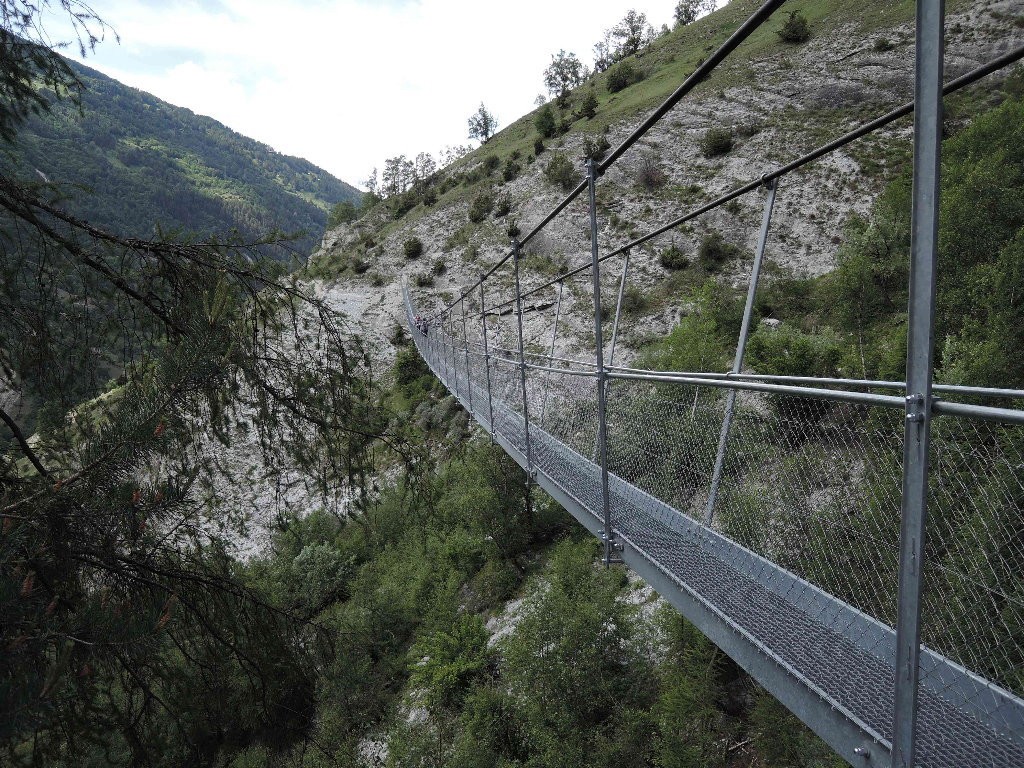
<point x="565" y="73"/>
<point x="482" y="124"/>
<point x="688" y="11"/>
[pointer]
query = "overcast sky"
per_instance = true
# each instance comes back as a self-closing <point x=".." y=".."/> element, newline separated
<point x="348" y="83"/>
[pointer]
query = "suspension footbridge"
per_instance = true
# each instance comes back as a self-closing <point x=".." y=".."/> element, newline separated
<point x="823" y="532"/>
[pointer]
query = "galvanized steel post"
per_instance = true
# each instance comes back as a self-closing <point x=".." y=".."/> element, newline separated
<point x="451" y="349"/>
<point x="487" y="359"/>
<point x="522" y="356"/>
<point x="465" y="347"/>
<point x="920" y="344"/>
<point x="442" y="347"/>
<point x="741" y="346"/>
<point x="551" y="355"/>
<point x="602" y="375"/>
<point x="618" y="308"/>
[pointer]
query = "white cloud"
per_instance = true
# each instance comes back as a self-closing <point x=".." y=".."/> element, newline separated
<point x="346" y="83"/>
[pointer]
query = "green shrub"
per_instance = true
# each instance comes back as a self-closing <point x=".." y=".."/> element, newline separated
<point x="322" y="572"/>
<point x="715" y="142"/>
<point x="650" y="176"/>
<point x="673" y="257"/>
<point x="450" y="183"/>
<point x="413" y="248"/>
<point x="714" y="250"/>
<point x="440" y="267"/>
<point x="545" y="121"/>
<point x="788" y="351"/>
<point x="634" y="300"/>
<point x="511" y="170"/>
<point x="796" y="29"/>
<point x="595" y="149"/>
<point x="503" y="207"/>
<point x="446" y="662"/>
<point x="409" y="367"/>
<point x="588" y="107"/>
<point x="429" y="197"/>
<point x="623" y="75"/>
<point x="491" y="163"/>
<point x="882" y="44"/>
<point x="748" y="127"/>
<point x="424" y="280"/>
<point x="561" y="172"/>
<point x="496" y="582"/>
<point x="480" y="207"/>
<point x="538" y="146"/>
<point x="342" y="213"/>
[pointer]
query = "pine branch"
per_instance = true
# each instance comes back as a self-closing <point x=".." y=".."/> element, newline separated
<point x="23" y="444"/>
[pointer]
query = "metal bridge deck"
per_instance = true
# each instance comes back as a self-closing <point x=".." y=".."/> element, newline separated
<point x="828" y="662"/>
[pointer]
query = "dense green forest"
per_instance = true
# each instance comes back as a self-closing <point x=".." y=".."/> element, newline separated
<point x="129" y="163"/>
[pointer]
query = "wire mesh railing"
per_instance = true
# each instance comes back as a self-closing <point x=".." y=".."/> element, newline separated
<point x="785" y="516"/>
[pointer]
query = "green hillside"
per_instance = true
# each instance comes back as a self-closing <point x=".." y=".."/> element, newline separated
<point x="129" y="161"/>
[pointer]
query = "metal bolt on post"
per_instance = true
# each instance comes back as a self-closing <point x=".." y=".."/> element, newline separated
<point x="741" y="346"/>
<point x="522" y="356"/>
<point x="608" y="535"/>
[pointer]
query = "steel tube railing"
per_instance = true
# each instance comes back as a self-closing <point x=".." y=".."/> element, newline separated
<point x="815" y="393"/>
<point x="602" y="424"/>
<point x="953" y="389"/>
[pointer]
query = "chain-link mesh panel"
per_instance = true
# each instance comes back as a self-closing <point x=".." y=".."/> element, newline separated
<point x="973" y="600"/>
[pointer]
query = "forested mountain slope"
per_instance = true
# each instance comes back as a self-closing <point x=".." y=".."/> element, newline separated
<point x="129" y="161"/>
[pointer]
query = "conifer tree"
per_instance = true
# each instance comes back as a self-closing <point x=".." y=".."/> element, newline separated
<point x="128" y="628"/>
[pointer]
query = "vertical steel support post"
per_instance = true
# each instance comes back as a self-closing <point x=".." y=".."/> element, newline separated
<point x="487" y="359"/>
<point x="920" y="345"/>
<point x="618" y="309"/>
<point x="741" y="346"/>
<point x="451" y="349"/>
<point x="465" y="347"/>
<point x="551" y="354"/>
<point x="602" y="426"/>
<point x="441" y="347"/>
<point x="522" y="357"/>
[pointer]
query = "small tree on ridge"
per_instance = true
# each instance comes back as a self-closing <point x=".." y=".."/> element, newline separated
<point x="482" y="124"/>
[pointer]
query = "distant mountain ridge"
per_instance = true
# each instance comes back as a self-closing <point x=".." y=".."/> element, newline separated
<point x="130" y="162"/>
